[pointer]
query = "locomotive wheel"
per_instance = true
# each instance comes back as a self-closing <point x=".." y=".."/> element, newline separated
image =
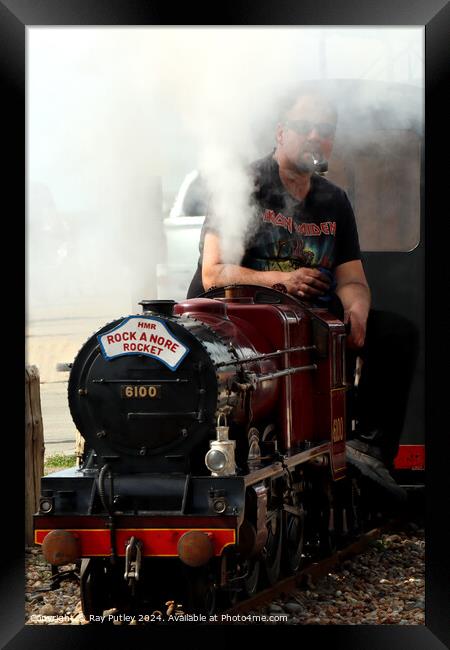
<point x="362" y="508"/>
<point x="320" y="521"/>
<point x="273" y="546"/>
<point x="269" y="432"/>
<point x="202" y="592"/>
<point x="93" y="587"/>
<point x="227" y="598"/>
<point x="327" y="534"/>
<point x="253" y="570"/>
<point x="351" y="509"/>
<point x="294" y="540"/>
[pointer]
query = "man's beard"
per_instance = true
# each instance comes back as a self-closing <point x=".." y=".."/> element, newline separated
<point x="305" y="163"/>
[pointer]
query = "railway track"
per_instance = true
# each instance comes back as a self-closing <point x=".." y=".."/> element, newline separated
<point x="312" y="572"/>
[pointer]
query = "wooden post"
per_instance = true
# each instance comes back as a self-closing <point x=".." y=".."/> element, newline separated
<point x="34" y="449"/>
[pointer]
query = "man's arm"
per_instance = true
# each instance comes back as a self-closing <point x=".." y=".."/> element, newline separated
<point x="217" y="274"/>
<point x="303" y="282"/>
<point x="354" y="293"/>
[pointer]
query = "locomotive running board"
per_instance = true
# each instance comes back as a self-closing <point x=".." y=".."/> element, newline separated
<point x="274" y="470"/>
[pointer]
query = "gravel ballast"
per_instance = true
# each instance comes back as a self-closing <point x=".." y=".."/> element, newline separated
<point x="385" y="585"/>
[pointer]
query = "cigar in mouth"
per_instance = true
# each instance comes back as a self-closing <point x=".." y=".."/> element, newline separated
<point x="320" y="164"/>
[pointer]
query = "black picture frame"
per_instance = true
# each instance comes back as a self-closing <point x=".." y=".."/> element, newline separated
<point x="434" y="15"/>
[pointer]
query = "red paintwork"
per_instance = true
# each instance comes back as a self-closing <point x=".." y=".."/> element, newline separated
<point x="284" y="327"/>
<point x="157" y="542"/>
<point x="338" y="419"/>
<point x="410" y="457"/>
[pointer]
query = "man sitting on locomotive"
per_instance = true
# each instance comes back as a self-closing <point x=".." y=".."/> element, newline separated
<point x="306" y="226"/>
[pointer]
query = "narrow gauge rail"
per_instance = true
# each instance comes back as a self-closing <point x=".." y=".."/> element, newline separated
<point x="313" y="570"/>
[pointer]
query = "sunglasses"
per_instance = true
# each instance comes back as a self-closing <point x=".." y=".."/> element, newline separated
<point x="303" y="127"/>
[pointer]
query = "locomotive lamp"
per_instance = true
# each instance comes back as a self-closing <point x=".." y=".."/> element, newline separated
<point x="220" y="458"/>
<point x="45" y="505"/>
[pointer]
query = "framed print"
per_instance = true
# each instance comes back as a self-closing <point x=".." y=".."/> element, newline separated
<point x="122" y="104"/>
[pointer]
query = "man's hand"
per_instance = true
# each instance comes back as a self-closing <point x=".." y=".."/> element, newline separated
<point x="354" y="294"/>
<point x="358" y="323"/>
<point x="305" y="282"/>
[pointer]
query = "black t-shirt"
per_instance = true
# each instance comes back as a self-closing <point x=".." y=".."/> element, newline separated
<point x="285" y="233"/>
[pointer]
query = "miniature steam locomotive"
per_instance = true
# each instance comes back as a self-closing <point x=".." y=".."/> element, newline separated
<point x="215" y="434"/>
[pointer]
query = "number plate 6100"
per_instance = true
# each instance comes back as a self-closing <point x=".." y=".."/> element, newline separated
<point x="140" y="391"/>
